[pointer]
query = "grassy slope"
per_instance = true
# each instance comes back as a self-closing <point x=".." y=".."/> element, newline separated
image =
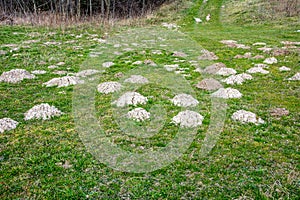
<point x="256" y="162"/>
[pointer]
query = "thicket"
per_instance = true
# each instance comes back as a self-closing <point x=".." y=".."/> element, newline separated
<point x="79" y="8"/>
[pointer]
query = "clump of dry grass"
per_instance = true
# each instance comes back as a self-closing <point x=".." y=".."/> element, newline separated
<point x="260" y="11"/>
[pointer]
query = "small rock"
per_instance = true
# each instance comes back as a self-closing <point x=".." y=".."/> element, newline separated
<point x="207" y="17"/>
<point x="197" y="20"/>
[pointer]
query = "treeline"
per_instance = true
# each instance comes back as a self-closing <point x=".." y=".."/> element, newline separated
<point x="79" y="8"/>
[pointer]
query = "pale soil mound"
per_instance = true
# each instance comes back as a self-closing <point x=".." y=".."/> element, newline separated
<point x="279" y="112"/>
<point x="43" y="111"/>
<point x="169" y="25"/>
<point x="255" y="70"/>
<point x="224" y="71"/>
<point x="109" y="87"/>
<point x="87" y="72"/>
<point x="259" y="44"/>
<point x="237" y="79"/>
<point x="188" y="119"/>
<point x="246" y="117"/>
<point x="15" y="76"/>
<point x="179" y="54"/>
<point x="227" y="93"/>
<point x="209" y="84"/>
<point x="214" y="68"/>
<point x="137" y="79"/>
<point x="207" y="55"/>
<point x="130" y="98"/>
<point x="246" y="55"/>
<point x="296" y="77"/>
<point x="170" y="68"/>
<point x="107" y="64"/>
<point x="38" y="72"/>
<point x="284" y="69"/>
<point x="271" y="60"/>
<point x="63" y="81"/>
<point x="7" y="124"/>
<point x="234" y="44"/>
<point x="150" y="63"/>
<point x="264" y="66"/>
<point x="184" y="100"/>
<point x="138" y="114"/>
<point x="52" y="67"/>
<point x="265" y="49"/>
<point x="137" y="62"/>
<point x="60" y="72"/>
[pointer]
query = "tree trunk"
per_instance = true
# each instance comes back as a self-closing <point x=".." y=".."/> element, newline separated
<point x="91" y="8"/>
<point x="78" y="9"/>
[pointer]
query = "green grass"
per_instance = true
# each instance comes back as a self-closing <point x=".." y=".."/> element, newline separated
<point x="254" y="162"/>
